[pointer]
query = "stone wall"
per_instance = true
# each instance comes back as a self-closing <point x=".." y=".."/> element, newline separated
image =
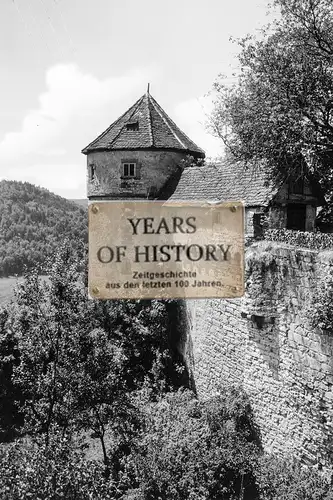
<point x="264" y="343"/>
<point x="154" y="169"/>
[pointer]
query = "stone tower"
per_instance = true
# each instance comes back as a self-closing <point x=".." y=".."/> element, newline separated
<point x="139" y="156"/>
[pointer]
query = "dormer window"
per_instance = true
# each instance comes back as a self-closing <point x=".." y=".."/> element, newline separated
<point x="133" y="126"/>
<point x="129" y="170"/>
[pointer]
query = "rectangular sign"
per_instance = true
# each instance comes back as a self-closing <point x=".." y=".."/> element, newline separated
<point x="163" y="250"/>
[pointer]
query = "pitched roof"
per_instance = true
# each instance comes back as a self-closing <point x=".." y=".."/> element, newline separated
<point x="155" y="130"/>
<point x="225" y="182"/>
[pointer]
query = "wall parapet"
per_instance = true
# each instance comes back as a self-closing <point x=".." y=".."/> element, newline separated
<point x="302" y="239"/>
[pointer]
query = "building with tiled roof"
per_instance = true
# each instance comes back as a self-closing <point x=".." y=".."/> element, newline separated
<point x="138" y="154"/>
<point x="143" y="155"/>
<point x="227" y="182"/>
<point x="145" y="125"/>
<point x="290" y="205"/>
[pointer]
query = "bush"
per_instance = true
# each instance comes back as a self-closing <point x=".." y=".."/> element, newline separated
<point x="72" y="362"/>
<point x="31" y="470"/>
<point x="194" y="450"/>
<point x="10" y="395"/>
<point x="288" y="480"/>
<point x="320" y="311"/>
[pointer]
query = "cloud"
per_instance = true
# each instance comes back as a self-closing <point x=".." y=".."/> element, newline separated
<point x="192" y="116"/>
<point x="71" y="101"/>
<point x="74" y="108"/>
<point x="71" y="112"/>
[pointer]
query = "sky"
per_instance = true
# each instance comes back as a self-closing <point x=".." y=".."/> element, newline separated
<point x="69" y="68"/>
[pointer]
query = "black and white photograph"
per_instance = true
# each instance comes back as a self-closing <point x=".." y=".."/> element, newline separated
<point x="166" y="250"/>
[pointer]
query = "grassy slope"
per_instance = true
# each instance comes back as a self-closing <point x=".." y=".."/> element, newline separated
<point x="83" y="202"/>
<point x="7" y="286"/>
<point x="6" y="289"/>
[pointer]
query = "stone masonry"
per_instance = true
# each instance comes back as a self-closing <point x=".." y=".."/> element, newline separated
<point x="263" y="343"/>
<point x="154" y="169"/>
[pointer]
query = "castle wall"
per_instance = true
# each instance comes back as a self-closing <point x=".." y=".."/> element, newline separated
<point x="264" y="343"/>
<point x="154" y="169"/>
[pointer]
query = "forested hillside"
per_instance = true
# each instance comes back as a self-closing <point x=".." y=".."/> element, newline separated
<point x="33" y="222"/>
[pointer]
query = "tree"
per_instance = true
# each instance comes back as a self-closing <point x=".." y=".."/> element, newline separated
<point x="194" y="450"/>
<point x="10" y="395"/>
<point x="70" y="364"/>
<point x="280" y="111"/>
<point x="59" y="471"/>
<point x="69" y="370"/>
<point x="287" y="478"/>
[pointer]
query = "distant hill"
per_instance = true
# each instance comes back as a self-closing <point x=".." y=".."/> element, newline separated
<point x="33" y="221"/>
<point x="83" y="202"/>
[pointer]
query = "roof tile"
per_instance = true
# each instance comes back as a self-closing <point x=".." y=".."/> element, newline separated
<point x="156" y="130"/>
<point x="225" y="182"/>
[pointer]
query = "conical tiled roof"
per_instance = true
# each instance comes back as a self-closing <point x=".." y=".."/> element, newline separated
<point x="144" y="126"/>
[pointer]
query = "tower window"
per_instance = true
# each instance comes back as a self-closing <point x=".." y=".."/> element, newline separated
<point x="132" y="126"/>
<point x="92" y="172"/>
<point x="129" y="170"/>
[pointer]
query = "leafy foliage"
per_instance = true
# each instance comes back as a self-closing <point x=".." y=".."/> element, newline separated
<point x="73" y="367"/>
<point x="190" y="449"/>
<point x="71" y="362"/>
<point x="280" y="112"/>
<point x="33" y="223"/>
<point x="194" y="450"/>
<point x="59" y="471"/>
<point x="9" y="393"/>
<point x="186" y="450"/>
<point x="320" y="311"/>
<point x="284" y="478"/>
